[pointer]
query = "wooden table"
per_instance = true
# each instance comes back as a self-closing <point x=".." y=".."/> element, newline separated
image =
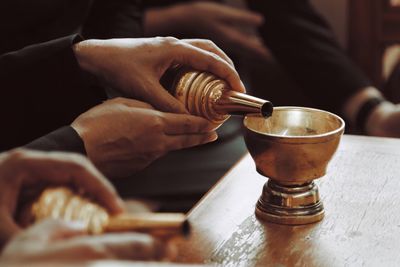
<point x="361" y="194"/>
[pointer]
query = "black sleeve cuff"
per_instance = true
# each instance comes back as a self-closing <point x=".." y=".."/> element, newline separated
<point x="63" y="139"/>
<point x="365" y="111"/>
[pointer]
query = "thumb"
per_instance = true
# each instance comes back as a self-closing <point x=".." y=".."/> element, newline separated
<point x="162" y="100"/>
<point x="8" y="228"/>
<point x="124" y="246"/>
<point x="53" y="230"/>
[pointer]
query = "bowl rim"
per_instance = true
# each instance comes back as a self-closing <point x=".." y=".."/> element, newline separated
<point x="305" y="137"/>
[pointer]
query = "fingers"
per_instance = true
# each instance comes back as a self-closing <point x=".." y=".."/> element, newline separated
<point x="203" y="60"/>
<point x="176" y="142"/>
<point x="184" y="131"/>
<point x="185" y="124"/>
<point x="210" y="47"/>
<point x="240" y="16"/>
<point x="8" y="228"/>
<point x="66" y="168"/>
<point x="162" y="100"/>
<point x="59" y="241"/>
<point x="98" y="187"/>
<point x="37" y="241"/>
<point x="126" y="246"/>
<point x="52" y="230"/>
<point x="59" y="229"/>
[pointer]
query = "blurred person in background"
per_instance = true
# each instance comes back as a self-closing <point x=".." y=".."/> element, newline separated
<point x="291" y="34"/>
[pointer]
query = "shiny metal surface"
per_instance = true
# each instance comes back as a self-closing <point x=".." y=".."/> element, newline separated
<point x="292" y="148"/>
<point x="295" y="144"/>
<point x="237" y="103"/>
<point x="291" y="205"/>
<point x="204" y="94"/>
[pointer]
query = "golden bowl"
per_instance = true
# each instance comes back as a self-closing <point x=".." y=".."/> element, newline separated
<point x="292" y="148"/>
<point x="295" y="144"/>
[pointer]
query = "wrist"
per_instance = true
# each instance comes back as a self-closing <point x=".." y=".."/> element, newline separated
<point x="81" y="131"/>
<point x="369" y="107"/>
<point x="373" y="124"/>
<point x="76" y="125"/>
<point x="86" y="52"/>
<point x="358" y="108"/>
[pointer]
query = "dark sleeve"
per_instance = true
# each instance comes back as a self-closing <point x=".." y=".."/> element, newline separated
<point x="114" y="19"/>
<point x="42" y="89"/>
<point x="63" y="139"/>
<point x="305" y="46"/>
<point x="24" y="23"/>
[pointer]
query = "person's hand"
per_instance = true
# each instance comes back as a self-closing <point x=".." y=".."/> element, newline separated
<point x="384" y="121"/>
<point x="232" y="29"/>
<point x="123" y="135"/>
<point x="24" y="174"/>
<point x="54" y="241"/>
<point x="134" y="66"/>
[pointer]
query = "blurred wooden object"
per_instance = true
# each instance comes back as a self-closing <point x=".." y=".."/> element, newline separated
<point x="374" y="25"/>
<point x="361" y="226"/>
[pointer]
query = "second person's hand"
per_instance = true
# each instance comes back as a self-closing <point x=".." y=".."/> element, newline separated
<point x="385" y="120"/>
<point x="25" y="173"/>
<point x="56" y="242"/>
<point x="123" y="135"/>
<point x="134" y="66"/>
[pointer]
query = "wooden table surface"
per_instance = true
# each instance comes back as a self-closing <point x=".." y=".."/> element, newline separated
<point x="361" y="195"/>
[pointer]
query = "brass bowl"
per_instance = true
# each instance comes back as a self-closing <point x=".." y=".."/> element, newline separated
<point x="292" y="148"/>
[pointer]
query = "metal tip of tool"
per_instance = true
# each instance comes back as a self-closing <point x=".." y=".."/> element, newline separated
<point x="186" y="229"/>
<point x="267" y="109"/>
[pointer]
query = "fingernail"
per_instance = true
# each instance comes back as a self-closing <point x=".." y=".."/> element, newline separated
<point x="180" y="108"/>
<point x="210" y="127"/>
<point x="212" y="137"/>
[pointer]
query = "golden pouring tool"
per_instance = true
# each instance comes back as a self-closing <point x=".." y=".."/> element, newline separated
<point x="208" y="96"/>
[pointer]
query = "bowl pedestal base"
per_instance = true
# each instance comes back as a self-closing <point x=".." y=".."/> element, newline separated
<point x="290" y="204"/>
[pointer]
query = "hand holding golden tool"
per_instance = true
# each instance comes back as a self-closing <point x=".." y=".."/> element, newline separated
<point x="62" y="203"/>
